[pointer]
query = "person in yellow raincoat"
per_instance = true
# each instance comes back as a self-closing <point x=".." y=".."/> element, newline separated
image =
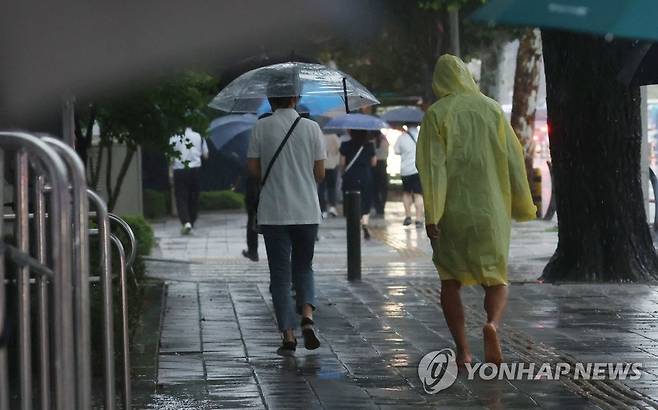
<point x="474" y="182"/>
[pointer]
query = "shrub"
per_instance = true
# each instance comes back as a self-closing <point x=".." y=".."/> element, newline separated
<point x="156" y="204"/>
<point x="143" y="233"/>
<point x="218" y="200"/>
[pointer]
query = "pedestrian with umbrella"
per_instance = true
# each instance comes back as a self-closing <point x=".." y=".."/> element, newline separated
<point x="287" y="154"/>
<point x="358" y="158"/>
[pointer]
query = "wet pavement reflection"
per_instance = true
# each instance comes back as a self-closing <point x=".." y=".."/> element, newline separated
<point x="218" y="336"/>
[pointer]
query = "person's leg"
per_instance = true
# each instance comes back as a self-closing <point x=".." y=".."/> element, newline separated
<point x="453" y="311"/>
<point x="322" y="195"/>
<point x="330" y="180"/>
<point x="303" y="247"/>
<point x="495" y="301"/>
<point x="278" y="247"/>
<point x="366" y="206"/>
<point x="418" y="204"/>
<point x="180" y="191"/>
<point x="194" y="192"/>
<point x="406" y="201"/>
<point x="384" y="187"/>
<point x="376" y="191"/>
<point x="252" y="236"/>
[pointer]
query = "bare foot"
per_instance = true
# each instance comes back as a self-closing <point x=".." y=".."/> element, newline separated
<point x="492" y="352"/>
<point x="463" y="357"/>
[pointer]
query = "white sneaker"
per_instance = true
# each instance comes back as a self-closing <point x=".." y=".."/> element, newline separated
<point x="324" y="215"/>
<point x="187" y="228"/>
<point x="332" y="211"/>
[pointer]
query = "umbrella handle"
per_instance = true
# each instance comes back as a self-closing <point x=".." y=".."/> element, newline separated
<point x="347" y="106"/>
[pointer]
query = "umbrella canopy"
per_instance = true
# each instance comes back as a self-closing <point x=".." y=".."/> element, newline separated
<point x="634" y="19"/>
<point x="319" y="86"/>
<point x="222" y="135"/>
<point x="227" y="119"/>
<point x="356" y="122"/>
<point x="236" y="148"/>
<point x="412" y="115"/>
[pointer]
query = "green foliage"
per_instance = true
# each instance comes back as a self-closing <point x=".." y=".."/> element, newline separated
<point x="410" y="36"/>
<point x="218" y="200"/>
<point x="156" y="204"/>
<point x="143" y="233"/>
<point x="149" y="116"/>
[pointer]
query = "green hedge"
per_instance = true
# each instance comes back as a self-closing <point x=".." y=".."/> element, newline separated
<point x="218" y="200"/>
<point x="145" y="239"/>
<point x="156" y="204"/>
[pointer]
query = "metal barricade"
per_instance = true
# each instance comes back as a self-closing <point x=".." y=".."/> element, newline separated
<point x="60" y="205"/>
<point x="64" y="384"/>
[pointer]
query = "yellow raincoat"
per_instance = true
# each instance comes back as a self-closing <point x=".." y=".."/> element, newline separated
<point x="473" y="175"/>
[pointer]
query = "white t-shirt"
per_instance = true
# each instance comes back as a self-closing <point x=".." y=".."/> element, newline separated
<point x="290" y="195"/>
<point x="197" y="148"/>
<point x="405" y="147"/>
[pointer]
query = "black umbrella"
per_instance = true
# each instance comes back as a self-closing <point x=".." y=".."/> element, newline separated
<point x="642" y="66"/>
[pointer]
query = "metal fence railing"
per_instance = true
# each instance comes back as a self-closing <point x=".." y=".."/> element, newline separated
<point x="52" y="258"/>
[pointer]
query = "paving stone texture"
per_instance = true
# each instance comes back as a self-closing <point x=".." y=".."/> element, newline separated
<point x="218" y="335"/>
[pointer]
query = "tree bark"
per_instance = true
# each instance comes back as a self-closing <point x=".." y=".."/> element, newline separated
<point x="526" y="87"/>
<point x="490" y="68"/>
<point x="595" y="141"/>
<point x="114" y="196"/>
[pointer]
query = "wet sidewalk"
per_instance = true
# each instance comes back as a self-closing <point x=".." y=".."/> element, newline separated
<point x="218" y="336"/>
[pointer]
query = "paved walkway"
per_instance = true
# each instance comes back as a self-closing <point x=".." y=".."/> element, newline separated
<point x="218" y="336"/>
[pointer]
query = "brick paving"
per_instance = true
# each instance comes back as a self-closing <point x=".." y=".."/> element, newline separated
<point x="218" y="336"/>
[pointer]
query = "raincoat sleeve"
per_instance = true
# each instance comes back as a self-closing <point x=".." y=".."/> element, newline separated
<point x="523" y="209"/>
<point x="431" y="165"/>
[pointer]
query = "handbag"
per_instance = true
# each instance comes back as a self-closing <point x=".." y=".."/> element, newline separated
<point x="256" y="227"/>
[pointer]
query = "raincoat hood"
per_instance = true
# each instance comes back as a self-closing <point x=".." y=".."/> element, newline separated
<point x="452" y="76"/>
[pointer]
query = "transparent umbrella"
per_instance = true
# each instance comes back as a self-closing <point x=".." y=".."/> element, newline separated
<point x="321" y="88"/>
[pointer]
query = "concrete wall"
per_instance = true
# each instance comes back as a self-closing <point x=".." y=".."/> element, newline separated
<point x="130" y="198"/>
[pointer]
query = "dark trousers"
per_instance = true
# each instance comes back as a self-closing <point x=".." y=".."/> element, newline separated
<point x="327" y="189"/>
<point x="251" y="203"/>
<point x="252" y="235"/>
<point x="187" y="185"/>
<point x="290" y="251"/>
<point x="380" y="185"/>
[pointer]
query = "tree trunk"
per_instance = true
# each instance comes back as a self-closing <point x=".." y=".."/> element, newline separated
<point x="490" y="68"/>
<point x="114" y="196"/>
<point x="526" y="87"/>
<point x="595" y="140"/>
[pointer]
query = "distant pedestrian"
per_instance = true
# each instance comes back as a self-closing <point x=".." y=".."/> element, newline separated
<point x="357" y="159"/>
<point x="412" y="194"/>
<point x="327" y="188"/>
<point x="474" y="182"/>
<point x="380" y="174"/>
<point x="286" y="152"/>
<point x="191" y="148"/>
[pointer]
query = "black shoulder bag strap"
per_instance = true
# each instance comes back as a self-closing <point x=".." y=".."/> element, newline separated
<point x="278" y="151"/>
<point x="255" y="227"/>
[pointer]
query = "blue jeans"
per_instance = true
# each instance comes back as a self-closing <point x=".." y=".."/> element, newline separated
<point x="290" y="257"/>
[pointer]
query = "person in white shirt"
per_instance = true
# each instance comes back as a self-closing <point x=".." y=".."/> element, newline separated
<point x="412" y="193"/>
<point x="327" y="188"/>
<point x="288" y="209"/>
<point x="191" y="148"/>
